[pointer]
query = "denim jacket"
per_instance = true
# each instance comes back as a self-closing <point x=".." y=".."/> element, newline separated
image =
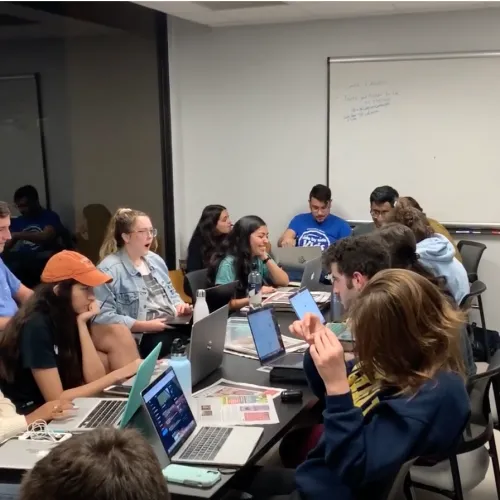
<point x="124" y="299"/>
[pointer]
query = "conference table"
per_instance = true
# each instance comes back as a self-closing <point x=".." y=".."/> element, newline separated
<point x="236" y="369"/>
<point x="239" y="369"/>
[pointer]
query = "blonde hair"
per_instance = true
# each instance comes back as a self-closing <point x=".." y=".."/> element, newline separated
<point x="405" y="330"/>
<point x="123" y="221"/>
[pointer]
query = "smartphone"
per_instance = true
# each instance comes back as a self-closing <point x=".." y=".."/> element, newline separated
<point x="303" y="302"/>
<point x="194" y="477"/>
<point x="118" y="390"/>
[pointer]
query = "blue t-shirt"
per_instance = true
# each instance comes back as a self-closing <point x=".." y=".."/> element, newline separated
<point x="9" y="286"/>
<point x="310" y="233"/>
<point x="34" y="224"/>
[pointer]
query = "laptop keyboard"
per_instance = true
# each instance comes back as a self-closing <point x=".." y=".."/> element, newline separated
<point x="289" y="360"/>
<point x="206" y="444"/>
<point x="105" y="413"/>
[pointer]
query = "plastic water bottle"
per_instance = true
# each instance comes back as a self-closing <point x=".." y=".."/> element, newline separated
<point x="255" y="287"/>
<point x="181" y="366"/>
<point x="200" y="310"/>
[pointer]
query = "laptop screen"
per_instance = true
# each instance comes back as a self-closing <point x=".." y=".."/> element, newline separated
<point x="303" y="302"/>
<point x="169" y="410"/>
<point x="265" y="333"/>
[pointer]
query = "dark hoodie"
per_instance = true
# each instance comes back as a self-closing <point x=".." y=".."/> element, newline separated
<point x="363" y="446"/>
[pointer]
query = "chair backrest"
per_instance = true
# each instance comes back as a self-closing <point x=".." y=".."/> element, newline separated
<point x="397" y="489"/>
<point x="471" y="252"/>
<point x="194" y="281"/>
<point x="476" y="289"/>
<point x="478" y="389"/>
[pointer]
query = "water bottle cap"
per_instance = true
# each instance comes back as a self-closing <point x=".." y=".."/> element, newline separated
<point x="178" y="348"/>
<point x="201" y="293"/>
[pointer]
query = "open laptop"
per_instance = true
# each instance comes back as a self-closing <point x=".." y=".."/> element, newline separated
<point x="296" y="257"/>
<point x="186" y="442"/>
<point x="310" y="277"/>
<point x="268" y="342"/>
<point x="98" y="412"/>
<point x="206" y="349"/>
<point x="220" y="295"/>
<point x="303" y="302"/>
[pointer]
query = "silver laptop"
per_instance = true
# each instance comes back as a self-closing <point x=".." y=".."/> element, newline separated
<point x="183" y="440"/>
<point x="268" y="341"/>
<point x="206" y="349"/>
<point x="296" y="257"/>
<point x="23" y="455"/>
<point x="99" y="412"/>
<point x="310" y="277"/>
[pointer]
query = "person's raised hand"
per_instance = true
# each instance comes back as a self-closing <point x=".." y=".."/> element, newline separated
<point x="328" y="356"/>
<point x="307" y="327"/>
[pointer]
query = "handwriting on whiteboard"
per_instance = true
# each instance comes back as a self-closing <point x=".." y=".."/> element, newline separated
<point x="367" y="99"/>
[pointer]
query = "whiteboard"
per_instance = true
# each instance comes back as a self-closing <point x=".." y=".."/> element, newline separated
<point x="427" y="125"/>
<point x="21" y="157"/>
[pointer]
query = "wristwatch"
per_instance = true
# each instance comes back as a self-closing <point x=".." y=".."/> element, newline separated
<point x="266" y="260"/>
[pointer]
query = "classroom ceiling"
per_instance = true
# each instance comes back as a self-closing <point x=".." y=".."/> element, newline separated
<point x="218" y="14"/>
<point x="20" y="23"/>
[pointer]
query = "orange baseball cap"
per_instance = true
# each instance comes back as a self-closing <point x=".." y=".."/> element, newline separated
<point x="68" y="265"/>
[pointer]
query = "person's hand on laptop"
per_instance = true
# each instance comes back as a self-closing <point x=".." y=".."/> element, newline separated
<point x="307" y="327"/>
<point x="184" y="309"/>
<point x="288" y="242"/>
<point x="268" y="290"/>
<point x="155" y="325"/>
<point x="53" y="410"/>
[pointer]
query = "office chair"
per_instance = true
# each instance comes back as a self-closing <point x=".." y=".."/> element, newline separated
<point x="476" y="290"/>
<point x="194" y="281"/>
<point x="467" y="467"/>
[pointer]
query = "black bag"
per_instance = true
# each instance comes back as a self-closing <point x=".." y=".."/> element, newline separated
<point x="478" y="342"/>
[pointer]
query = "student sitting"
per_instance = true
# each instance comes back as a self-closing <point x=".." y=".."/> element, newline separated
<point x="46" y="352"/>
<point x="382" y="201"/>
<point x="435" y="252"/>
<point x="141" y="295"/>
<point x="103" y="464"/>
<point x="404" y="398"/>
<point x="402" y="246"/>
<point x="12" y="291"/>
<point x="438" y="228"/>
<point x="12" y="424"/>
<point x="212" y="228"/>
<point x="245" y="248"/>
<point x="35" y="235"/>
<point x="317" y="228"/>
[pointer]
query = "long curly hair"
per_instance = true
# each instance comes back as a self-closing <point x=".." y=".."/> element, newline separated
<point x="237" y="245"/>
<point x="412" y="218"/>
<point x="206" y="232"/>
<point x="58" y="309"/>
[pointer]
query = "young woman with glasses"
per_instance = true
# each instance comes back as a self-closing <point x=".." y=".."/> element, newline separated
<point x="141" y="295"/>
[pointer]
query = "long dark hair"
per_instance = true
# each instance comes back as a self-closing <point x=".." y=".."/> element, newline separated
<point x="402" y="245"/>
<point x="237" y="245"/>
<point x="58" y="309"/>
<point x="206" y="232"/>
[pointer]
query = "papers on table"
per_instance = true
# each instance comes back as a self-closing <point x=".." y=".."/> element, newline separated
<point x="234" y="403"/>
